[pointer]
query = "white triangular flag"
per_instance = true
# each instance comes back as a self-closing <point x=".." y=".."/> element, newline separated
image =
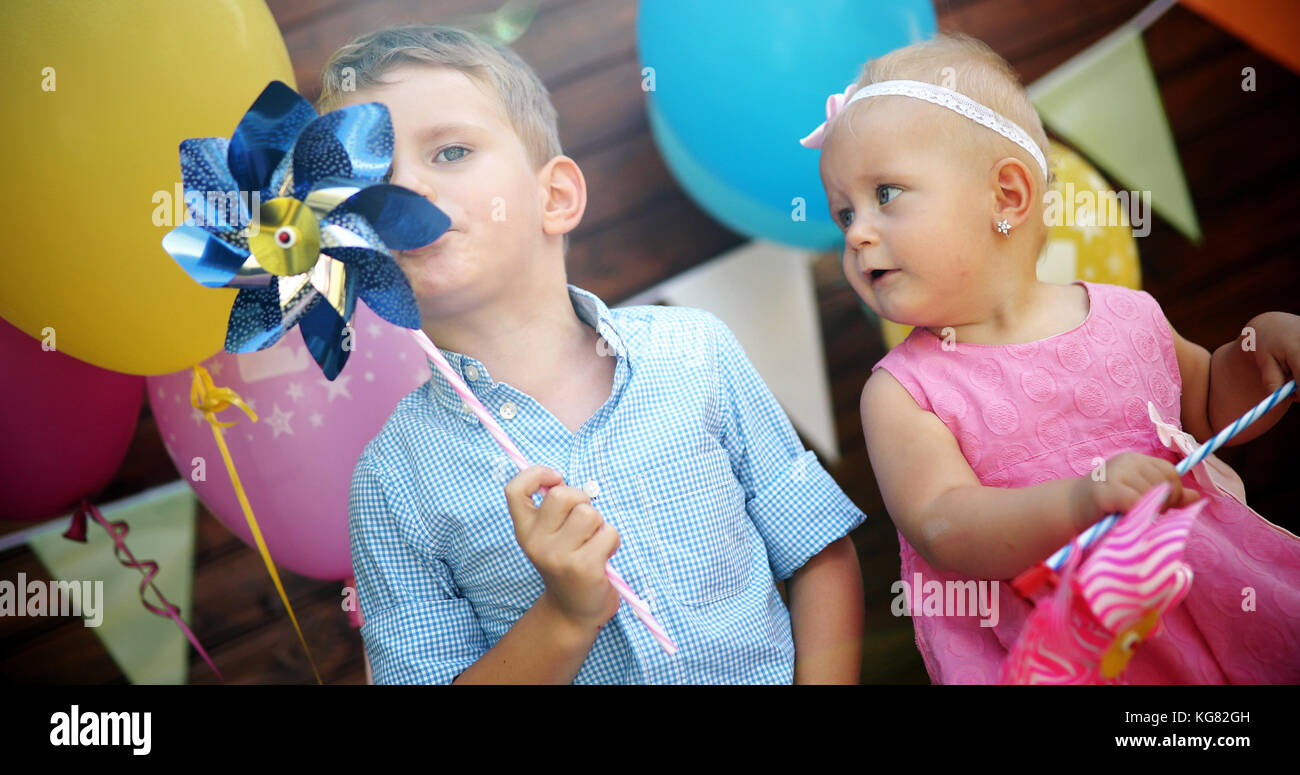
<point x="764" y="292"/>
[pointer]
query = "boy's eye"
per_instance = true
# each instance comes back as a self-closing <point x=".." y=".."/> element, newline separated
<point x="884" y="197"/>
<point x="452" y="153"/>
<point x="845" y="217"/>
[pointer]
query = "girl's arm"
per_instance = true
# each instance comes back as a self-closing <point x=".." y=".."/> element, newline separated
<point x="961" y="526"/>
<point x="1219" y="388"/>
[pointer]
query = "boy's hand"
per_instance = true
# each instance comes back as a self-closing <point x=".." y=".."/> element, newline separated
<point x="568" y="542"/>
<point x="1127" y="477"/>
<point x="1277" y="348"/>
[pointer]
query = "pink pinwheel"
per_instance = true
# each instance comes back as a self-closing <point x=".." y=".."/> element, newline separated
<point x="1109" y="603"/>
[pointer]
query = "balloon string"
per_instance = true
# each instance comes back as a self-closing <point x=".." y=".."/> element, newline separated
<point x="210" y="399"/>
<point x="117" y="531"/>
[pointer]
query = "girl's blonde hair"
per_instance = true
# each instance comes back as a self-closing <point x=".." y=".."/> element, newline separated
<point x="967" y="65"/>
<point x="363" y="62"/>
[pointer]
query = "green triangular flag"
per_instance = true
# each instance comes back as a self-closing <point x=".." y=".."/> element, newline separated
<point x="1105" y="102"/>
<point x="149" y="649"/>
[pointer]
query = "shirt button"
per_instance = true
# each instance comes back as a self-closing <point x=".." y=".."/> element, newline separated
<point x="591" y="488"/>
<point x="509" y="410"/>
<point x="471" y="372"/>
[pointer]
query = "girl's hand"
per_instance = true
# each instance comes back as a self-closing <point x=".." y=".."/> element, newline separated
<point x="1124" y="479"/>
<point x="1276" y="348"/>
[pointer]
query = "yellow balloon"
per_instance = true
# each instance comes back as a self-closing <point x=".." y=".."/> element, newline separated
<point x="98" y="97"/>
<point x="1076" y="248"/>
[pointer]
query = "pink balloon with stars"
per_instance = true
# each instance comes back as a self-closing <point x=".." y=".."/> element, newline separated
<point x="296" y="461"/>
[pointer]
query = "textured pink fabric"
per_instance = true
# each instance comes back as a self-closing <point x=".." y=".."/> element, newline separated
<point x="1029" y="413"/>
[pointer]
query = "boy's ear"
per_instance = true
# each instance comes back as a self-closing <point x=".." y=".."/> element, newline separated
<point x="1013" y="189"/>
<point x="564" y="195"/>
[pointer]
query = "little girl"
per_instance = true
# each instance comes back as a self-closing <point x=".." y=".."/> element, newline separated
<point x="1018" y="412"/>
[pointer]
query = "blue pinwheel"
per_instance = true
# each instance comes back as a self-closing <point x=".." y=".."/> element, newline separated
<point x="293" y="211"/>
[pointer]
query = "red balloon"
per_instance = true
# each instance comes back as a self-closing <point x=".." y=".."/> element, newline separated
<point x="65" y="426"/>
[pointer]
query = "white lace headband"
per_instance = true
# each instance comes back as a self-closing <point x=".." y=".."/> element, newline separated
<point x="934" y="94"/>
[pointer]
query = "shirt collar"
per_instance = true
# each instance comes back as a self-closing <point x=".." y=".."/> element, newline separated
<point x="590" y="310"/>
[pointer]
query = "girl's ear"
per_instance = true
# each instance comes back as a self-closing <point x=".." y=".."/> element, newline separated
<point x="564" y="195"/>
<point x="1013" y="191"/>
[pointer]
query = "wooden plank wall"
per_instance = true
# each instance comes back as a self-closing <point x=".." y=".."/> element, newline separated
<point x="1238" y="152"/>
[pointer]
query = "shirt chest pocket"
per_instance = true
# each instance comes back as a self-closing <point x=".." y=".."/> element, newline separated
<point x="696" y="509"/>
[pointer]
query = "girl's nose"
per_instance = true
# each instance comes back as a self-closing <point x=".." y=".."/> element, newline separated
<point x="861" y="234"/>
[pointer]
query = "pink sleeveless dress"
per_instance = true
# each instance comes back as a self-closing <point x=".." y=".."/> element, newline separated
<point x="1030" y="413"/>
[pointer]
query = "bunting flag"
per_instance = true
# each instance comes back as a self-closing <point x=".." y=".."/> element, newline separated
<point x="149" y="649"/>
<point x="1105" y="103"/>
<point x="764" y="292"/>
<point x="1269" y="26"/>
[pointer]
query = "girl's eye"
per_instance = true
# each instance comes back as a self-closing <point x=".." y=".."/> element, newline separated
<point x="452" y="153"/>
<point x="882" y="195"/>
<point x="845" y="217"/>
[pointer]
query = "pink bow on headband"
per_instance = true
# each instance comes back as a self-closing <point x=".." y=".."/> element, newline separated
<point x="834" y="104"/>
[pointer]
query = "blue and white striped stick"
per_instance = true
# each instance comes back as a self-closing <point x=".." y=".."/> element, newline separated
<point x="1090" y="536"/>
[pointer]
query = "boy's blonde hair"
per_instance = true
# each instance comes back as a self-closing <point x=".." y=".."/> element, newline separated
<point x="523" y="95"/>
<point x="967" y="65"/>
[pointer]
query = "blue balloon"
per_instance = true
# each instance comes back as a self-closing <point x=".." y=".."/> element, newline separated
<point x="736" y="84"/>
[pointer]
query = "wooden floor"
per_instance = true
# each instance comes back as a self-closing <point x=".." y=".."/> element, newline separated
<point x="1239" y="155"/>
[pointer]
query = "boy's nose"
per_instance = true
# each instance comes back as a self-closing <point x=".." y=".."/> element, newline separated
<point x="415" y="183"/>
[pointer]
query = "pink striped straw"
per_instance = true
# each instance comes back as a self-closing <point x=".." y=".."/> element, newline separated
<point x="639" y="606"/>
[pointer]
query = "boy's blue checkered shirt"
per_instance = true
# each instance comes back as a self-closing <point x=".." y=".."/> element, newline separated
<point x="690" y="458"/>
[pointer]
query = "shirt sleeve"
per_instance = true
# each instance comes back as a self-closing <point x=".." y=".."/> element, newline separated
<point x="416" y="630"/>
<point x="794" y="503"/>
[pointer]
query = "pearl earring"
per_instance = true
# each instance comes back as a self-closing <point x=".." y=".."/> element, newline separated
<point x="1004" y="227"/>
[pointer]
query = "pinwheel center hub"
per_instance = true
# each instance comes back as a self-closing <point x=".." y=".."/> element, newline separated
<point x="288" y="238"/>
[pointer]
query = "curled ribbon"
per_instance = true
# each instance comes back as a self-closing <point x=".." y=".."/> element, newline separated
<point x="210" y="399"/>
<point x="149" y="568"/>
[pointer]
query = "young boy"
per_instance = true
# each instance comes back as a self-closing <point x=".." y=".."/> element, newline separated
<point x="677" y="451"/>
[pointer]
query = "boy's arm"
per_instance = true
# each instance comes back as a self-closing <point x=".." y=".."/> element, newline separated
<point x="803" y="517"/>
<point x="1219" y="388"/>
<point x="543" y="647"/>
<point x="568" y="543"/>
<point x="796" y="506"/>
<point x="826" y="613"/>
<point x="417" y="630"/>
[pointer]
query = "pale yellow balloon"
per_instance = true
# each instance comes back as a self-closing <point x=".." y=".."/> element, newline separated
<point x="1077" y="247"/>
<point x="98" y="97"/>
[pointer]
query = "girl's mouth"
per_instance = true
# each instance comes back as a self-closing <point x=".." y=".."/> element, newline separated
<point x="877" y="275"/>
